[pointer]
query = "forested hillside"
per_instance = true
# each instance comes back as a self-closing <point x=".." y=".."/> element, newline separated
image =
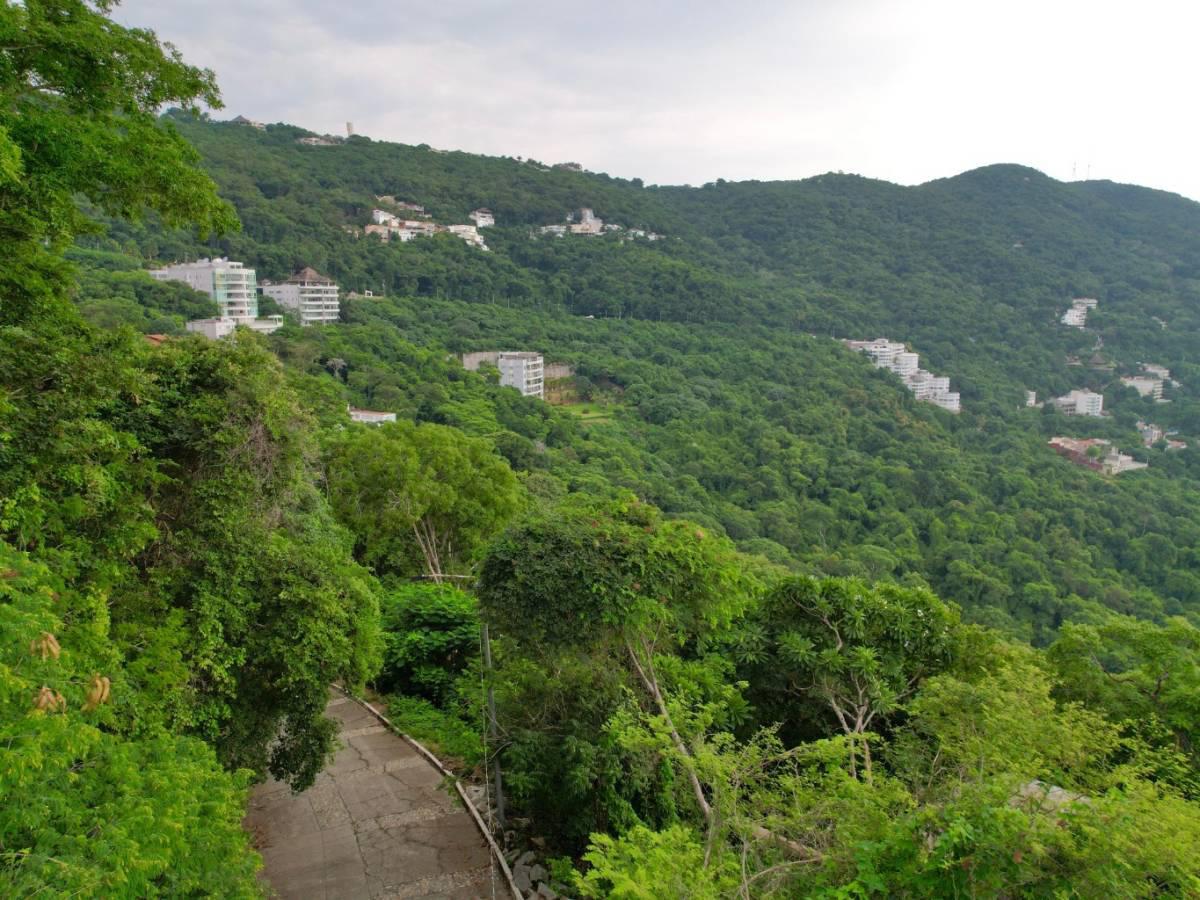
<point x="762" y="624"/>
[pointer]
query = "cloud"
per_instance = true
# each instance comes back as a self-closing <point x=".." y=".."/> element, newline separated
<point x="686" y="92"/>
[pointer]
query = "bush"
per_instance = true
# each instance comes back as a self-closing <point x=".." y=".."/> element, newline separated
<point x="431" y="633"/>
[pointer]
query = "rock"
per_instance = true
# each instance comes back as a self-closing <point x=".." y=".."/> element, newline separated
<point x="539" y="842"/>
<point x="545" y="891"/>
<point x="521" y="878"/>
<point x="526" y="858"/>
<point x="537" y="873"/>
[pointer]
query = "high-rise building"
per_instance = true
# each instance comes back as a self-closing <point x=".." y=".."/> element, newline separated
<point x="229" y="283"/>
<point x="523" y="371"/>
<point x="308" y="293"/>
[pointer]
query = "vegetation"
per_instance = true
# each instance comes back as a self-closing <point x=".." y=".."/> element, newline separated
<point x="761" y="623"/>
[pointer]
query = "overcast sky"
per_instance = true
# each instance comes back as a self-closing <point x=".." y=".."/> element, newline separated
<point x="688" y="91"/>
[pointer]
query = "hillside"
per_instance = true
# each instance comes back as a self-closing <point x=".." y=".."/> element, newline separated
<point x="735" y="615"/>
<point x="973" y="270"/>
<point x="781" y="440"/>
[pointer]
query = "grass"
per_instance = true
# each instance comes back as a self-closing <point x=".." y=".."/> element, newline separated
<point x="449" y="738"/>
<point x="593" y="413"/>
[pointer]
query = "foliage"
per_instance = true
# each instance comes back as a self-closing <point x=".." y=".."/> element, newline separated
<point x="455" y="741"/>
<point x="419" y="498"/>
<point x="430" y="635"/>
<point x="88" y="807"/>
<point x="647" y="864"/>
<point x="81" y="96"/>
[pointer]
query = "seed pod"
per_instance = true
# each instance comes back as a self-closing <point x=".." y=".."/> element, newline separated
<point x="98" y="692"/>
<point x="50" y="700"/>
<point x="45" y="646"/>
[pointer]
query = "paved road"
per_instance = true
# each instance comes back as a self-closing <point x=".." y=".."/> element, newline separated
<point x="377" y="823"/>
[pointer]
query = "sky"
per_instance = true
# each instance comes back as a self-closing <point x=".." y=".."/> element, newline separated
<point x="689" y="91"/>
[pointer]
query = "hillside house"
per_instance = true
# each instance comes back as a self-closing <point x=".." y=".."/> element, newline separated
<point x="483" y="218"/>
<point x="1080" y="403"/>
<point x="1146" y="385"/>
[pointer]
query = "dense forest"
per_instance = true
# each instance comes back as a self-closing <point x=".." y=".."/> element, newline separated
<point x="762" y="623"/>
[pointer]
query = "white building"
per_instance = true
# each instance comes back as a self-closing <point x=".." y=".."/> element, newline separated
<point x="523" y="371"/>
<point x="214" y="329"/>
<point x="383" y="217"/>
<point x="308" y="293"/>
<point x="468" y="233"/>
<point x="230" y="284"/>
<point x="588" y="223"/>
<point x="1031" y="398"/>
<point x="1081" y="403"/>
<point x="483" y="218"/>
<point x="1076" y="316"/>
<point x="370" y="416"/>
<point x="1146" y="385"/>
<point x="895" y="357"/>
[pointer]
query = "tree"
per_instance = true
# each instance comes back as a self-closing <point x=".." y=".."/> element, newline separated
<point x="1135" y="672"/>
<point x="419" y="497"/>
<point x="858" y="649"/>
<point x="79" y="103"/>
<point x="619" y="576"/>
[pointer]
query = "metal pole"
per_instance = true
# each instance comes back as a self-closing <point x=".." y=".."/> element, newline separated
<point x="493" y="731"/>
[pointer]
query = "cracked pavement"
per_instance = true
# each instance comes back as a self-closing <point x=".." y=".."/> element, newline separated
<point x="377" y="823"/>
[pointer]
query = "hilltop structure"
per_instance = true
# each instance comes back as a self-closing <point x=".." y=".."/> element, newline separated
<point x="308" y="293"/>
<point x="896" y="357"/>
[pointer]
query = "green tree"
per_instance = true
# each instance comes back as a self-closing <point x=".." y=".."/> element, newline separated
<point x="420" y="497"/>
<point x="79" y="103"/>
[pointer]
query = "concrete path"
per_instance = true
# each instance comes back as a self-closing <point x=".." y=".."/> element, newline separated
<point x="377" y="823"/>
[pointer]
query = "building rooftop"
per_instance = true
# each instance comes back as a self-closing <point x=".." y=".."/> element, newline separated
<point x="308" y="275"/>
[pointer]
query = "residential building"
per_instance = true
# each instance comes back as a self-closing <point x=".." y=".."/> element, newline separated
<point x="214" y="329"/>
<point x="1160" y="372"/>
<point x="1031" y="398"/>
<point x="554" y="230"/>
<point x="229" y="283"/>
<point x="383" y="217"/>
<point x="1146" y="385"/>
<point x="370" y="416"/>
<point x="523" y="371"/>
<point x="1080" y="403"/>
<point x="468" y="233"/>
<point x="242" y="120"/>
<point x="1095" y="453"/>
<point x="308" y="293"/>
<point x="1076" y="316"/>
<point x="895" y="357"/>
<point x="483" y="218"/>
<point x="1151" y="434"/>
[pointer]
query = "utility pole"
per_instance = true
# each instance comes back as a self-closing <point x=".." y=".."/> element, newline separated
<point x="493" y="731"/>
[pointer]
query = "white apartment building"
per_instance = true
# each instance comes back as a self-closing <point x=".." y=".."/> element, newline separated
<point x="897" y="358"/>
<point x="1081" y="403"/>
<point x="383" y="217"/>
<point x="483" y="218"/>
<point x="1146" y="385"/>
<point x="523" y="371"/>
<point x="308" y="293"/>
<point x="468" y="233"/>
<point x="1031" y="398"/>
<point x="229" y="283"/>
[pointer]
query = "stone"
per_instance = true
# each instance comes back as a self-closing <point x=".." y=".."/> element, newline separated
<point x="521" y="878"/>
<point x="537" y="873"/>
<point x="526" y="858"/>
<point x="545" y="891"/>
